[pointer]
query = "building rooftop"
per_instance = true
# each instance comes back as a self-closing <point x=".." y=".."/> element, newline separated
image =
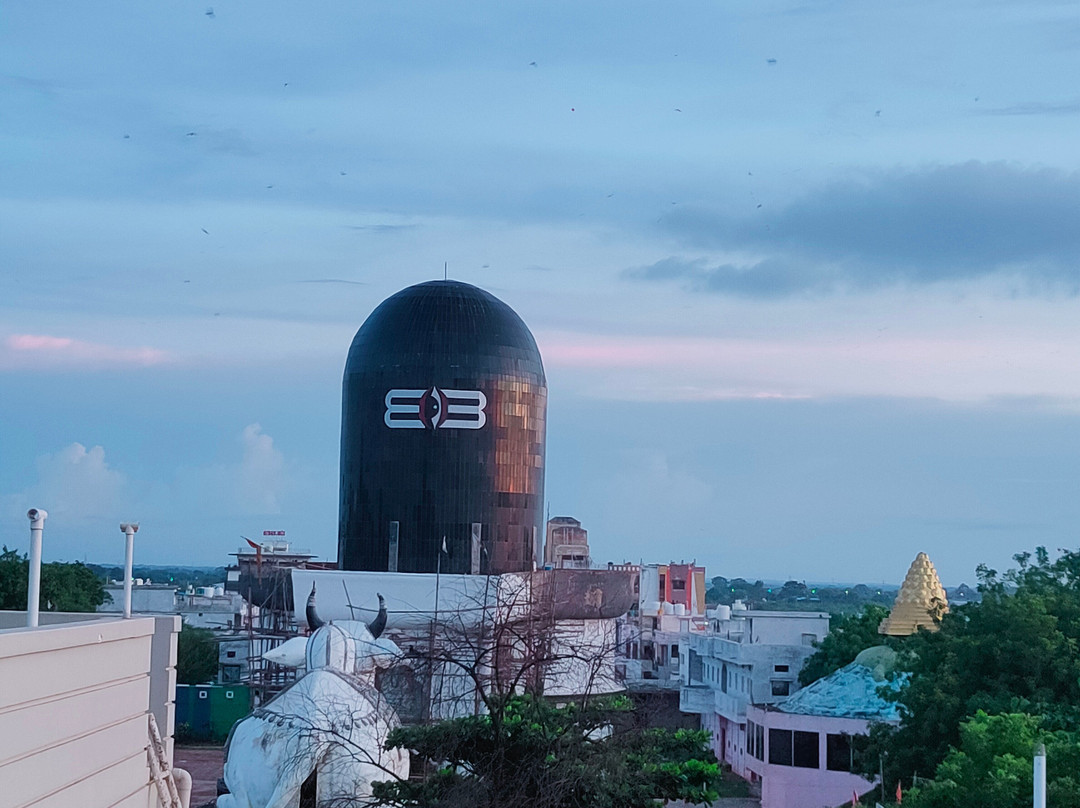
<point x="851" y="692"/>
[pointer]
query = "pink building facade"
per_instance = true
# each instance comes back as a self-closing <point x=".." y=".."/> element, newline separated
<point x="802" y="761"/>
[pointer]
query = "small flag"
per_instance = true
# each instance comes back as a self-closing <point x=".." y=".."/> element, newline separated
<point x="899" y="793"/>
<point x="258" y="556"/>
<point x="854" y="798"/>
<point x="444" y="544"/>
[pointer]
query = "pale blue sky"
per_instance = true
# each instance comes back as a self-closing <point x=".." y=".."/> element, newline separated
<point x="804" y="274"/>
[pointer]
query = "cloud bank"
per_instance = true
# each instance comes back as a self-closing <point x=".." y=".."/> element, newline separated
<point x="957" y="222"/>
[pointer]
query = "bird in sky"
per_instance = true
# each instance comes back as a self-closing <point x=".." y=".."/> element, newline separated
<point x="210" y="13"/>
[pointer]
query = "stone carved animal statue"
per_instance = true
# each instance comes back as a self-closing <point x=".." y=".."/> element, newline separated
<point x="325" y="730"/>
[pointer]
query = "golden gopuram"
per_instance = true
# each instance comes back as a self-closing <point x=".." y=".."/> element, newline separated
<point x="921" y="602"/>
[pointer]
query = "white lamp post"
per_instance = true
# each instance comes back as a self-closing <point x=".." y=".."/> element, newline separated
<point x="129" y="529"/>
<point x="33" y="588"/>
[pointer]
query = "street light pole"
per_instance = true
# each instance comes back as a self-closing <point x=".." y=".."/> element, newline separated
<point x="129" y="529"/>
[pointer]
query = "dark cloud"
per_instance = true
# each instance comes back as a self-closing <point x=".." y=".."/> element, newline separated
<point x="1034" y="108"/>
<point x="763" y="279"/>
<point x="958" y="222"/>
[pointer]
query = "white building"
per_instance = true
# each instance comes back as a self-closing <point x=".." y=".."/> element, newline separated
<point x="213" y="607"/>
<point x="565" y="616"/>
<point x="670" y="606"/>
<point x="146" y="598"/>
<point x="746" y="657"/>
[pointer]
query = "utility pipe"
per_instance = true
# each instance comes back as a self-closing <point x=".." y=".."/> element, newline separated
<point x="1039" y="777"/>
<point x="129" y="529"/>
<point x="33" y="588"/>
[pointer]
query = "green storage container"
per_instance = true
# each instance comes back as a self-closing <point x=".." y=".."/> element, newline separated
<point x="207" y="712"/>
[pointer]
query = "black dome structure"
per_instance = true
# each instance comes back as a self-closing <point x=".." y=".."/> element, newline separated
<point x="444" y="404"/>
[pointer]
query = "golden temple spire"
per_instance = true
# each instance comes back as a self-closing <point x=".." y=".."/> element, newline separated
<point x="921" y="602"/>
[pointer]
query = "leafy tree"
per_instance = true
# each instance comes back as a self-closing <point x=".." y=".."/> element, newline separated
<point x="196" y="656"/>
<point x="1014" y="652"/>
<point x="528" y="751"/>
<point x="64" y="587"/>
<point x="992" y="767"/>
<point x="847" y="637"/>
<point x="13" y="571"/>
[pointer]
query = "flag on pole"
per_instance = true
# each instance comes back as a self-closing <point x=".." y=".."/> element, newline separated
<point x="899" y="793"/>
<point x="258" y="556"/>
<point x="854" y="798"/>
<point x="444" y="544"/>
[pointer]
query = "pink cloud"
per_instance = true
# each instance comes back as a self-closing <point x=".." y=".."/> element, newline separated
<point x="671" y="367"/>
<point x="26" y="350"/>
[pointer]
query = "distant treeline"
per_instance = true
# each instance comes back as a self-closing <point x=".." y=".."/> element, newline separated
<point x="796" y="595"/>
<point x="180" y="577"/>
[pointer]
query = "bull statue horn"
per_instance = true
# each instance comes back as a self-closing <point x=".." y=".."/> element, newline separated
<point x="313" y="619"/>
<point x="377" y="625"/>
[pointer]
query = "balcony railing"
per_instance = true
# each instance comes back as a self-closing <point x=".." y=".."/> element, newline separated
<point x="696" y="700"/>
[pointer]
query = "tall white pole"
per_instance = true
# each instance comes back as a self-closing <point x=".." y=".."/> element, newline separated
<point x="1039" y="773"/>
<point x="33" y="588"/>
<point x="129" y="529"/>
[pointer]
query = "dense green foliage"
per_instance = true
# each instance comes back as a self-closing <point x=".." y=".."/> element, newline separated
<point x="848" y="635"/>
<point x="528" y="751"/>
<point x="992" y="766"/>
<point x="196" y="656"/>
<point x="64" y="587"/>
<point x="1013" y="653"/>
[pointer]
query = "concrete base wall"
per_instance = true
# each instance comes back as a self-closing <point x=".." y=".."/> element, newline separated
<point x="74" y="698"/>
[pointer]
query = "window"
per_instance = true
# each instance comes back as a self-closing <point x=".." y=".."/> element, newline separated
<point x="781" y="687"/>
<point x="228" y="694"/>
<point x="230" y="654"/>
<point x="838" y="753"/>
<point x="679" y="585"/>
<point x="806" y="750"/>
<point x="787" y="748"/>
<point x="780" y="668"/>
<point x="755" y="740"/>
<point x="780" y="747"/>
<point x="723" y="678"/>
<point x="202" y="694"/>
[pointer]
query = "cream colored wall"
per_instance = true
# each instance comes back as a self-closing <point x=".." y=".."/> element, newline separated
<point x="74" y="699"/>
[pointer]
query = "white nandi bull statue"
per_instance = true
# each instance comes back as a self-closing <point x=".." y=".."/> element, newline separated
<point x="332" y="723"/>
